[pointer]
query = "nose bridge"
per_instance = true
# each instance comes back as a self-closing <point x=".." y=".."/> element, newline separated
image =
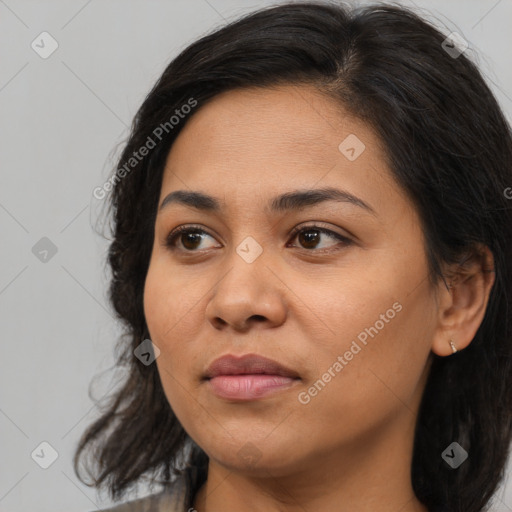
<point x="248" y="288"/>
<point x="250" y="230"/>
<point x="251" y="257"/>
<point x="248" y="263"/>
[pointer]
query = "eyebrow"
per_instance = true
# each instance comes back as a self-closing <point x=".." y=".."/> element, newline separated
<point x="294" y="200"/>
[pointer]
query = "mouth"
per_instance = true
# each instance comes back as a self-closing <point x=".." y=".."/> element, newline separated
<point x="249" y="364"/>
<point x="248" y="377"/>
<point x="249" y="387"/>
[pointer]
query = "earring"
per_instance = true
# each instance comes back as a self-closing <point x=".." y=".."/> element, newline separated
<point x="453" y="346"/>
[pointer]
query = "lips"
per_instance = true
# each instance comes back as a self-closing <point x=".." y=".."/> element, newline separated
<point x="249" y="364"/>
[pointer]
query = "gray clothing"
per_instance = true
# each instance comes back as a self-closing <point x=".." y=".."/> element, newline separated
<point x="176" y="498"/>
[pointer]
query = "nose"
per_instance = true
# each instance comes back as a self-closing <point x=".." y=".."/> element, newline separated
<point x="248" y="295"/>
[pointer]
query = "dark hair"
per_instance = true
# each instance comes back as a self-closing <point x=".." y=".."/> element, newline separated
<point x="447" y="144"/>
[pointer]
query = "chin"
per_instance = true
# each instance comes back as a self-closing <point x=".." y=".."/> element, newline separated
<point x="256" y="457"/>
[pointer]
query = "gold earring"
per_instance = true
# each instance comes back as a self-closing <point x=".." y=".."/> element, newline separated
<point x="453" y="346"/>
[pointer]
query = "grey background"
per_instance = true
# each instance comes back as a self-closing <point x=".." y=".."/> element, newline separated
<point x="62" y="119"/>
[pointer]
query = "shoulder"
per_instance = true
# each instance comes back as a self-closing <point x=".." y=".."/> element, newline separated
<point x="172" y="499"/>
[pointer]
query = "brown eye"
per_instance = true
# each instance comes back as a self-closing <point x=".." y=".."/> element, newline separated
<point x="190" y="238"/>
<point x="310" y="236"/>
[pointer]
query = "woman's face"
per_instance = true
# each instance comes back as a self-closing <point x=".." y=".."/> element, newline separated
<point x="353" y="317"/>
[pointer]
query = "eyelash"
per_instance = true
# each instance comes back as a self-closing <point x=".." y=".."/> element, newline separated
<point x="173" y="235"/>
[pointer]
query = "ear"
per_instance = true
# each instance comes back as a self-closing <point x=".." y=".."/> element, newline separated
<point x="462" y="305"/>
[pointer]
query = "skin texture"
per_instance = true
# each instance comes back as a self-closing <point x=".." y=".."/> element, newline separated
<point x="350" y="447"/>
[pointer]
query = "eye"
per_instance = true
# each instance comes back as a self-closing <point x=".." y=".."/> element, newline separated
<point x="309" y="236"/>
<point x="190" y="237"/>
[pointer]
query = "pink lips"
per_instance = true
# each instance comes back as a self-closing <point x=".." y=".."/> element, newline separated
<point x="248" y="377"/>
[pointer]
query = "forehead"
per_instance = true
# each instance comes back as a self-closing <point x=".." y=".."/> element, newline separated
<point x="247" y="142"/>
<point x="295" y="119"/>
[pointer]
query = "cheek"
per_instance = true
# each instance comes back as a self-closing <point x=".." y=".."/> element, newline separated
<point x="382" y="333"/>
<point x="162" y="312"/>
<point x="171" y="314"/>
<point x="168" y="303"/>
<point x="156" y="301"/>
<point x="378" y="380"/>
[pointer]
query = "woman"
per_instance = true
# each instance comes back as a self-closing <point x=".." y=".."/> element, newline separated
<point x="312" y="256"/>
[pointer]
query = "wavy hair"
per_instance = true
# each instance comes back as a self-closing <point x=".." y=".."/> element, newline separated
<point x="448" y="145"/>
